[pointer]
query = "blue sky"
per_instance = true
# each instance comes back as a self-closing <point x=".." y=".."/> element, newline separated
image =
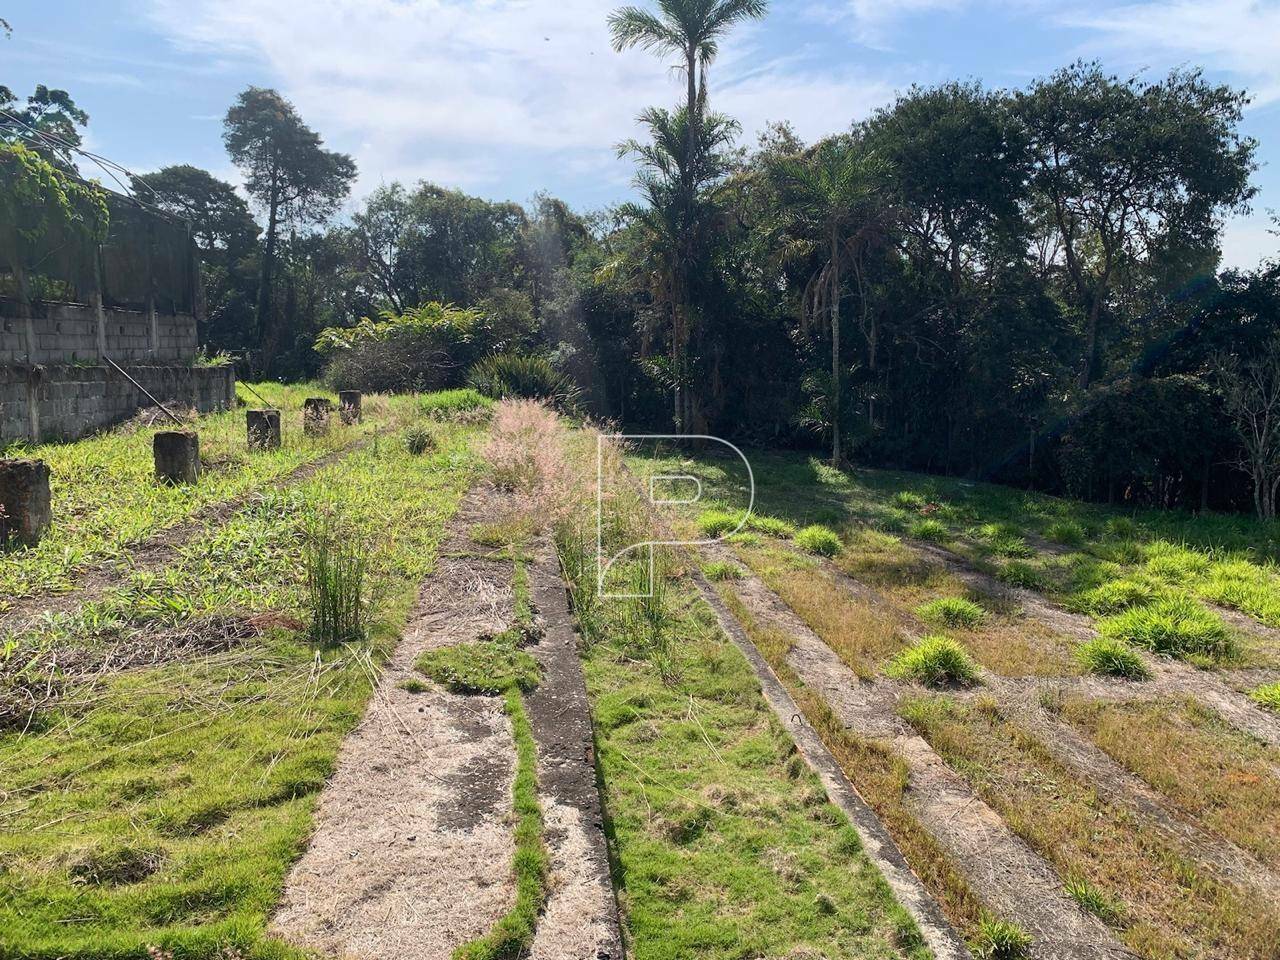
<point x="507" y="97"/>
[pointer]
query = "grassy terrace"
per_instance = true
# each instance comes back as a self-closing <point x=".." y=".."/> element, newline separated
<point x="104" y="498"/>
<point x="162" y="806"/>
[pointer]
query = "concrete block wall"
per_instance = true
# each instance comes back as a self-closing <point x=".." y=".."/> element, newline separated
<point x="72" y="401"/>
<point x="68" y="333"/>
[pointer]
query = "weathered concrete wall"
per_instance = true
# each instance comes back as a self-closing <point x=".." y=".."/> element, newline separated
<point x="71" y="401"/>
<point x="62" y="333"/>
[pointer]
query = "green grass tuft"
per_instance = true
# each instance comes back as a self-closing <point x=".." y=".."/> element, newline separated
<point x="1267" y="695"/>
<point x="486" y="667"/>
<point x="721" y="570"/>
<point x="952" y="612"/>
<point x="1176" y="626"/>
<point x="1067" y="532"/>
<point x="1116" y="595"/>
<point x="717" y="523"/>
<point x="771" y="526"/>
<point x="819" y="539"/>
<point x="1112" y="658"/>
<point x="420" y="439"/>
<point x="1000" y="940"/>
<point x="907" y="500"/>
<point x="934" y="661"/>
<point x="1019" y="573"/>
<point x="930" y="530"/>
<point x="1095" y="901"/>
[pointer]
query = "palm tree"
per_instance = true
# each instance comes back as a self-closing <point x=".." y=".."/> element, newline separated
<point x="692" y="29"/>
<point x="831" y="209"/>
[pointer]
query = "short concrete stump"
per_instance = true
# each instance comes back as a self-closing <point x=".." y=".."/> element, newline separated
<point x="349" y="406"/>
<point x="315" y="416"/>
<point x="263" y="428"/>
<point x="177" y="456"/>
<point x="25" y="505"/>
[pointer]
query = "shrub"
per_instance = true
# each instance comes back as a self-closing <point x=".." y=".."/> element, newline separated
<point x="998" y="940"/>
<point x="1068" y="532"/>
<point x="1177" y="626"/>
<point x="716" y="523"/>
<point x="934" y="531"/>
<point x="952" y="612"/>
<point x="934" y="661"/>
<point x="1018" y="573"/>
<point x="1111" y="658"/>
<point x="506" y="376"/>
<point x="420" y="439"/>
<point x="722" y="570"/>
<point x="1267" y="695"/>
<point x="819" y="539"/>
<point x="399" y="353"/>
<point x="335" y="563"/>
<point x="1115" y="595"/>
<point x="770" y="526"/>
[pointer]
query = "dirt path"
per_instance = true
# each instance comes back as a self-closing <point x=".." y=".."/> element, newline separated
<point x="154" y="553"/>
<point x="411" y="852"/>
<point x="1013" y="880"/>
<point x="580" y="921"/>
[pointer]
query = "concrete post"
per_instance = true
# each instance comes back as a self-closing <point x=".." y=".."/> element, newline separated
<point x="263" y="427"/>
<point x="177" y="456"/>
<point x="34" y="377"/>
<point x="349" y="406"/>
<point x="315" y="416"/>
<point x="25" y="505"/>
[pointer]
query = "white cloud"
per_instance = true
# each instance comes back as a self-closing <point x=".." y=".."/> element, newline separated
<point x="466" y="91"/>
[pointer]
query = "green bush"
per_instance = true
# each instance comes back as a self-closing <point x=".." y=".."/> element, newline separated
<point x="721" y="570"/>
<point x="934" y="661"/>
<point x="998" y="940"/>
<point x="1067" y="532"/>
<point x="1267" y="695"/>
<point x="1018" y="573"/>
<point x="419" y="439"/>
<point x="934" y="531"/>
<point x="1112" y="658"/>
<point x="1176" y="626"/>
<point x="716" y="523"/>
<point x="819" y="539"/>
<point x="952" y="612"/>
<point x="507" y="375"/>
<point x="401" y="353"/>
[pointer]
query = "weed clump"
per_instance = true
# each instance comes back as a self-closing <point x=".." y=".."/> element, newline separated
<point x="1267" y="695"/>
<point x="770" y="526"/>
<point x="908" y="500"/>
<point x="336" y="564"/>
<point x="1067" y="532"/>
<point x="819" y="539"/>
<point x="1000" y="940"/>
<point x="1112" y="658"/>
<point x="1018" y="573"/>
<point x="722" y="570"/>
<point x="929" y="530"/>
<point x="420" y="439"/>
<point x="1176" y="626"/>
<point x="716" y="523"/>
<point x="952" y="612"/>
<point x="1116" y="595"/>
<point x="116" y="865"/>
<point x="487" y="667"/>
<point x="1094" y="901"/>
<point x="934" y="661"/>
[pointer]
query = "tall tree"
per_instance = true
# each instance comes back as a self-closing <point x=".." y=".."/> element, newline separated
<point x="691" y="29"/>
<point x="832" y="206"/>
<point x="1131" y="171"/>
<point x="289" y="175"/>
<point x="49" y="122"/>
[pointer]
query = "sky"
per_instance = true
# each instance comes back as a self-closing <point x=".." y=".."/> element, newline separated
<point x="505" y="98"/>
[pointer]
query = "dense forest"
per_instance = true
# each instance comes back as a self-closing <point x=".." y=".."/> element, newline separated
<point x="1014" y="285"/>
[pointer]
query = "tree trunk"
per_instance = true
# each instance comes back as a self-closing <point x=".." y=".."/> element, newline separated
<point x="266" y="277"/>
<point x="835" y="350"/>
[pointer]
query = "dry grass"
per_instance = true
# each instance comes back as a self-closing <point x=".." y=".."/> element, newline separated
<point x="1218" y="776"/>
<point x="1172" y="908"/>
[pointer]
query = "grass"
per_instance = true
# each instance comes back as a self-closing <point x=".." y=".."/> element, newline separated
<point x="1068" y="532"/>
<point x="771" y="526"/>
<point x="722" y="570"/>
<point x="716" y="523"/>
<point x="1110" y="657"/>
<point x="1213" y="774"/>
<point x="1171" y="907"/>
<point x="934" y="661"/>
<point x="487" y="667"/>
<point x="952" y="612"/>
<point x="196" y="779"/>
<point x="1019" y="573"/>
<point x="1094" y="901"/>
<point x="336" y="562"/>
<point x="929" y="530"/>
<point x="1267" y="695"/>
<point x="1001" y="940"/>
<point x="1175" y="626"/>
<point x="420" y="439"/>
<point x="463" y="404"/>
<point x="818" y="539"/>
